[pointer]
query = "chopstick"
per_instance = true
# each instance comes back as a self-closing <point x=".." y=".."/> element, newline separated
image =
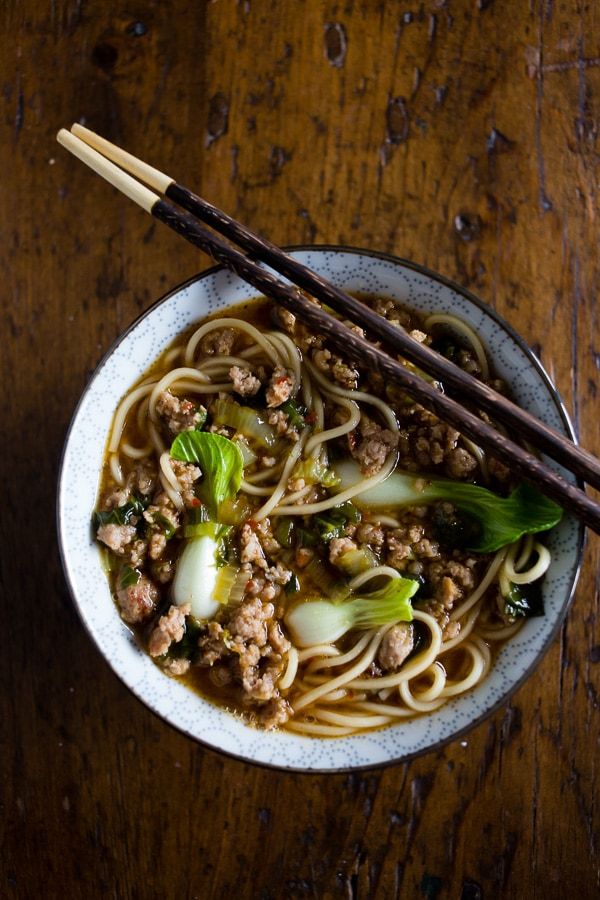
<point x="456" y="381"/>
<point x="348" y="342"/>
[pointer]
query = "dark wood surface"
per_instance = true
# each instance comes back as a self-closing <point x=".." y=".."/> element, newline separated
<point x="460" y="134"/>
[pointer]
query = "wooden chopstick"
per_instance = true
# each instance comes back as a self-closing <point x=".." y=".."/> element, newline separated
<point x="350" y="344"/>
<point x="456" y="381"/>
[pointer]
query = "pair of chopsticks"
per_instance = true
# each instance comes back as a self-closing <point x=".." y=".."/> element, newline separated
<point x="186" y="218"/>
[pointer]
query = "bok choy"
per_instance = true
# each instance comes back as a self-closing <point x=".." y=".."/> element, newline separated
<point x="221" y="462"/>
<point x="322" y="621"/>
<point x="500" y="520"/>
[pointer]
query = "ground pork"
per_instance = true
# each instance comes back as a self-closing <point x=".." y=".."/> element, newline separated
<point x="373" y="446"/>
<point x="187" y="474"/>
<point x="407" y="543"/>
<point x="498" y="469"/>
<point x="177" y="666"/>
<point x="179" y="415"/>
<point x="339" y="546"/>
<point x="388" y="308"/>
<point x="467" y="361"/>
<point x="280" y="387"/>
<point x="135" y="553"/>
<point x="281" y="422"/>
<point x="260" y="684"/>
<point x="276" y="711"/>
<point x="115" y="497"/>
<point x="277" y="639"/>
<point x="251" y="550"/>
<point x="265" y="535"/>
<point x="212" y="644"/>
<point x="433" y="443"/>
<point x="163" y="570"/>
<point x="260" y="587"/>
<point x="248" y="622"/>
<point x="219" y="342"/>
<point x="450" y="582"/>
<point x="244" y="382"/>
<point x="303" y="337"/>
<point x="396" y="645"/>
<point x="157" y="545"/>
<point x="278" y="574"/>
<point x="251" y="645"/>
<point x="303" y="556"/>
<point x="368" y="533"/>
<point x="451" y="631"/>
<point x="116" y="537"/>
<point x="459" y="463"/>
<point x="170" y="630"/>
<point x="163" y="519"/>
<point x="138" y="601"/>
<point x="336" y="368"/>
<point x="141" y="480"/>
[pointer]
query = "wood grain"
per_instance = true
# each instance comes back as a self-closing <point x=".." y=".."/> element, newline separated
<point x="463" y="135"/>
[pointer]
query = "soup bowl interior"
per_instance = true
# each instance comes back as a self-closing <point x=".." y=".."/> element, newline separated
<point x="355" y="271"/>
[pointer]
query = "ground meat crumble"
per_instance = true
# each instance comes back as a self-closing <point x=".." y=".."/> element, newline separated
<point x="179" y="414"/>
<point x="245" y="648"/>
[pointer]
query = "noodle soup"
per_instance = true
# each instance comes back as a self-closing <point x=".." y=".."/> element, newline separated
<point x="304" y="544"/>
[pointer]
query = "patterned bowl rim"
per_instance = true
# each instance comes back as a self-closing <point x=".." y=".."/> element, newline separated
<point x="581" y="533"/>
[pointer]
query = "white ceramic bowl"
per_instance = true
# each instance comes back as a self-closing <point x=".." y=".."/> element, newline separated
<point x="353" y="270"/>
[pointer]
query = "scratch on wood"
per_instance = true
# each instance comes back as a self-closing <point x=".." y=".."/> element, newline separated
<point x="471" y="890"/>
<point x="420" y="788"/>
<point x="568" y="65"/>
<point x="279" y="156"/>
<point x="545" y="202"/>
<point x="498" y="142"/>
<point x="20" y="111"/>
<point x="336" y="44"/>
<point x="218" y="118"/>
<point x="432" y="27"/>
<point x="397" y="121"/>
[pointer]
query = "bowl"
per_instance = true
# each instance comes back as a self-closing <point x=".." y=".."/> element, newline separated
<point x="352" y="270"/>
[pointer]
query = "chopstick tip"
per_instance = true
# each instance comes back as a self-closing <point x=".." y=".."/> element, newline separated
<point x="63" y="136"/>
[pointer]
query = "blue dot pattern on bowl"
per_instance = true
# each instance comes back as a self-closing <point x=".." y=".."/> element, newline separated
<point x="82" y="461"/>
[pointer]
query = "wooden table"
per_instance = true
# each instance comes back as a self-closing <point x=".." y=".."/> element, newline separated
<point x="460" y="134"/>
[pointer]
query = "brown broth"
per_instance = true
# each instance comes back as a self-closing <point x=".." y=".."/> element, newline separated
<point x="199" y="679"/>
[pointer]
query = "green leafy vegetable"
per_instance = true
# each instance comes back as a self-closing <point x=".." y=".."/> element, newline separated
<point x="221" y="463"/>
<point x="292" y="586"/>
<point x="167" y="526"/>
<point x="207" y="529"/>
<point x="322" y="622"/>
<point x="187" y="647"/>
<point x="295" y="413"/>
<point x="353" y="562"/>
<point x="332" y="524"/>
<point x="203" y="417"/>
<point x="128" y="577"/>
<point x="453" y="529"/>
<point x="314" y="471"/>
<point x="326" y="579"/>
<point x="245" y="420"/>
<point x="284" y="530"/>
<point x="524" y="600"/>
<point x="121" y="515"/>
<point x="501" y="520"/>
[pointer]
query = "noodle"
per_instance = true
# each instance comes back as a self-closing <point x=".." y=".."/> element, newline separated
<point x="331" y="688"/>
